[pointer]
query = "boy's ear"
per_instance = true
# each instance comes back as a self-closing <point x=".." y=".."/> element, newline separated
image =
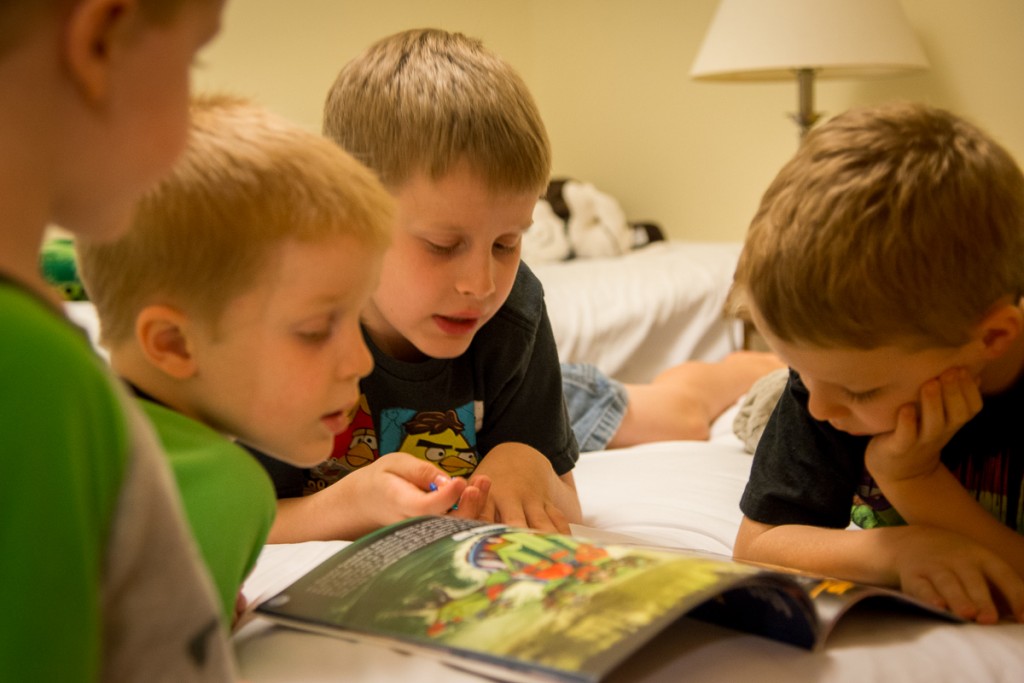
<point x="1000" y="328"/>
<point x="95" y="29"/>
<point x="163" y="335"/>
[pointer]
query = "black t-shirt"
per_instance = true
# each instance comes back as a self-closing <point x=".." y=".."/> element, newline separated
<point x="507" y="386"/>
<point x="807" y="472"/>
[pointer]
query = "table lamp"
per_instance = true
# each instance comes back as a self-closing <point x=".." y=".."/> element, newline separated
<point x="768" y="40"/>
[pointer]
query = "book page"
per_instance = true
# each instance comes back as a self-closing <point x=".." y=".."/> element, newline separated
<point x="559" y="605"/>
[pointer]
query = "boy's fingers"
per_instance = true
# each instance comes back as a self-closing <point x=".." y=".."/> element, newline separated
<point x="906" y="431"/>
<point x="419" y="472"/>
<point x="952" y="589"/>
<point x="544" y="516"/>
<point x="949" y="588"/>
<point x="481" y="482"/>
<point x="922" y="589"/>
<point x="1010" y="587"/>
<point x="978" y="592"/>
<point x="932" y="414"/>
<point x="973" y="394"/>
<point x="471" y="504"/>
<point x="548" y="518"/>
<point x="955" y="392"/>
<point x="511" y="514"/>
<point x="489" y="512"/>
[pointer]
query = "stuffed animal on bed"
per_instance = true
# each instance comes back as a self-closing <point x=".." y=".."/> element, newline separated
<point x="576" y="220"/>
<point x="757" y="406"/>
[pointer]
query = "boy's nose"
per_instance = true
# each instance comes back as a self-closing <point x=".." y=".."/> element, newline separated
<point x="356" y="360"/>
<point x="476" y="278"/>
<point x="822" y="408"/>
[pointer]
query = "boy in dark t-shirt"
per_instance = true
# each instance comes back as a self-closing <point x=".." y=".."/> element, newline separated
<point x="467" y="375"/>
<point x="885" y="266"/>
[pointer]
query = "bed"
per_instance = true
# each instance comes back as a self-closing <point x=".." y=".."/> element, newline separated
<point x="681" y="494"/>
<point x="653" y="307"/>
<point x="632" y="316"/>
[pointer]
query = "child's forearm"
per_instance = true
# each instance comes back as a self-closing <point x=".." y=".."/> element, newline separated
<point x="938" y="499"/>
<point x="394" y="487"/>
<point x="855" y="555"/>
<point x="305" y="519"/>
<point x="289" y="524"/>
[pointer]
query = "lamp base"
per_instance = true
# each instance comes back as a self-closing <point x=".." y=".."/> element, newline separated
<point x="806" y="117"/>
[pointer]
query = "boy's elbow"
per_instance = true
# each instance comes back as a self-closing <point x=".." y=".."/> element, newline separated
<point x="745" y="545"/>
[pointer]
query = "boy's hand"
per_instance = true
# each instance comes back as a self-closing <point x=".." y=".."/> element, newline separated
<point x="912" y="449"/>
<point x="394" y="487"/>
<point x="473" y="499"/>
<point x="951" y="571"/>
<point x="525" y="491"/>
<point x="399" y="485"/>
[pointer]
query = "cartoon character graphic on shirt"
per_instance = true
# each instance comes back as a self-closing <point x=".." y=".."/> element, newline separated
<point x="440" y="438"/>
<point x="985" y="478"/>
<point x="353" y="448"/>
<point x="445" y="438"/>
<point x="871" y="508"/>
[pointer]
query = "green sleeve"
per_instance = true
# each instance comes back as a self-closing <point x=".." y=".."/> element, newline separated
<point x="62" y="463"/>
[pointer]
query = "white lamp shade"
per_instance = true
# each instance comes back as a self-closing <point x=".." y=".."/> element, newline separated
<point x="769" y="39"/>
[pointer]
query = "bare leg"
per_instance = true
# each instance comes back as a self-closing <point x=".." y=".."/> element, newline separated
<point x="683" y="401"/>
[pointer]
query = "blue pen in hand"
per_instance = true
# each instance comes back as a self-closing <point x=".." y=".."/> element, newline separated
<point x="433" y="487"/>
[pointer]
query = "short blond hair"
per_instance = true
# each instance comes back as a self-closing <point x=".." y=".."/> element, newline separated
<point x="425" y="100"/>
<point x="894" y="224"/>
<point x="247" y="181"/>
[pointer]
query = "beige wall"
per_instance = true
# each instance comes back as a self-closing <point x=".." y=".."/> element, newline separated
<point x="611" y="79"/>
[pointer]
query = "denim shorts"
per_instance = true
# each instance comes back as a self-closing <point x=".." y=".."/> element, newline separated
<point x="596" y="404"/>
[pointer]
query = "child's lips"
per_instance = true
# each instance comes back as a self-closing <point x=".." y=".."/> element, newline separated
<point x="457" y="325"/>
<point x="337" y="421"/>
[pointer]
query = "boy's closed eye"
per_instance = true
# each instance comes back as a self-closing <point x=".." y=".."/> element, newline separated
<point x="442" y="248"/>
<point x="861" y="396"/>
<point x="316" y="331"/>
<point x="508" y="246"/>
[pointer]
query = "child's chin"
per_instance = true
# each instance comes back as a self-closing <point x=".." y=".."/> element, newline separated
<point x="305" y="458"/>
<point x="450" y="348"/>
<point x="865" y="433"/>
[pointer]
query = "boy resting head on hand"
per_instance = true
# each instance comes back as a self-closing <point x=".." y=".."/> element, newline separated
<point x="885" y="266"/>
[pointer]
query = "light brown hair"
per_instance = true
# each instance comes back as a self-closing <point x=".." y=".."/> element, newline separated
<point x="424" y="100"/>
<point x="899" y="223"/>
<point x="247" y="181"/>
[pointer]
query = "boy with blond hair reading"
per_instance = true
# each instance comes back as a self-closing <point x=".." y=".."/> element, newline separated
<point x="100" y="578"/>
<point x="885" y="266"/>
<point x="232" y="309"/>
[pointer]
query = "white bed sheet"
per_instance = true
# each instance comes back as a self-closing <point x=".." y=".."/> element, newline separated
<point x="631" y="315"/>
<point x="683" y="494"/>
<point x="636" y="314"/>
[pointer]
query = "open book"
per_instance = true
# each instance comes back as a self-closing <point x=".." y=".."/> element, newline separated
<point x="520" y="605"/>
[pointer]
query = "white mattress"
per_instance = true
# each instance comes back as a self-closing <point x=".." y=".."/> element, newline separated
<point x="632" y="315"/>
<point x="683" y="494"/>
<point x="637" y="314"/>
